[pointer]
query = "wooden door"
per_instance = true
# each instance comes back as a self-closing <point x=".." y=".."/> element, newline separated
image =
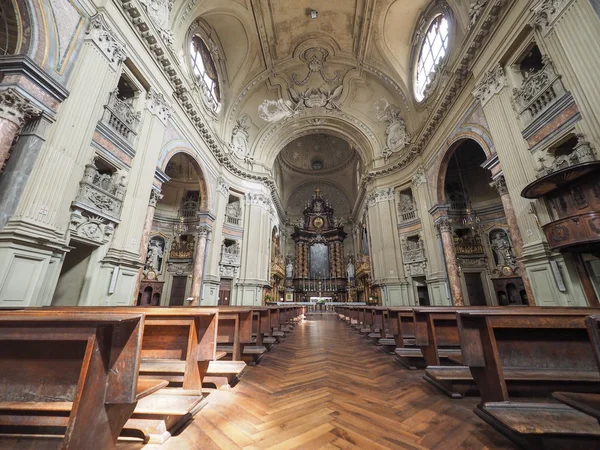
<point x="475" y="290"/>
<point x="178" y="291"/>
<point x="225" y="292"/>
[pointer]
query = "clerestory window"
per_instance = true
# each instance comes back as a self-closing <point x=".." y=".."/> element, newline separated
<point x="204" y="67"/>
<point x="433" y="51"/>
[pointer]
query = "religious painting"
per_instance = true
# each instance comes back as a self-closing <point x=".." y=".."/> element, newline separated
<point x="319" y="261"/>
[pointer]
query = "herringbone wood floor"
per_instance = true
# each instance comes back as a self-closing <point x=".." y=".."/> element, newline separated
<point x="326" y="387"/>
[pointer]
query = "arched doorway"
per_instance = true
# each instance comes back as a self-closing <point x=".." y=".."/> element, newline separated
<point x="481" y="239"/>
<point x="173" y="240"/>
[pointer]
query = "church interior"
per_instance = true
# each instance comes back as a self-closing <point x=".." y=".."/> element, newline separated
<point x="313" y="224"/>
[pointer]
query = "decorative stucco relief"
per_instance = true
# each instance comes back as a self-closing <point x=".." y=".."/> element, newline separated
<point x="493" y="81"/>
<point x="106" y="40"/>
<point x="396" y="136"/>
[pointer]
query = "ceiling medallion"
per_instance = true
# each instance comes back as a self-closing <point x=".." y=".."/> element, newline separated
<point x="317" y="98"/>
<point x="315" y="58"/>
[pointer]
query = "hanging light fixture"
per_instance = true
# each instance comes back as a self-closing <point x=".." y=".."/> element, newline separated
<point x="470" y="219"/>
<point x="179" y="228"/>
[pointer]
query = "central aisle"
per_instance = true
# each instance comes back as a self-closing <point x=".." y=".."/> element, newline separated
<point x="326" y="387"/>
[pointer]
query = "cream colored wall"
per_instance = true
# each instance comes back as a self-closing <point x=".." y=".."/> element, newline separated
<point x="37" y="237"/>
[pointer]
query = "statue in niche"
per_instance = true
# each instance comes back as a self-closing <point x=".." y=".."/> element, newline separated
<point x="350" y="269"/>
<point x="233" y="248"/>
<point x="156" y="251"/>
<point x="503" y="252"/>
<point x="233" y="210"/>
<point x="289" y="268"/>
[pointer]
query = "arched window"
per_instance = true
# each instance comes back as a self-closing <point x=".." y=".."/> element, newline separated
<point x="204" y="67"/>
<point x="433" y="51"/>
<point x="9" y="28"/>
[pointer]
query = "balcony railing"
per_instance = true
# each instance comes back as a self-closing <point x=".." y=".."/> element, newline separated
<point x="233" y="220"/>
<point x="408" y="215"/>
<point x="468" y="245"/>
<point x="407" y="208"/>
<point x="458" y="205"/>
<point x="182" y="250"/>
<point x="189" y="208"/>
<point x="121" y="117"/>
<point x="538" y="92"/>
<point x="101" y="193"/>
<point x="413" y="252"/>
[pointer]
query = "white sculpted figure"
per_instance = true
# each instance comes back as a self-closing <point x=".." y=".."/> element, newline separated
<point x="155" y="255"/>
<point x="289" y="270"/>
<point x="350" y="269"/>
<point x="233" y="210"/>
<point x="240" y="137"/>
<point x="317" y="98"/>
<point x="502" y="249"/>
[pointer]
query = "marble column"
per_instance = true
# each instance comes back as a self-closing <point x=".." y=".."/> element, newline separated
<point x="155" y="196"/>
<point x="14" y="110"/>
<point x="451" y="263"/>
<point x="198" y="269"/>
<point x="517" y="241"/>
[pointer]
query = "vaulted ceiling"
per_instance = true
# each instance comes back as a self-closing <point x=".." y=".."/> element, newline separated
<point x="289" y="75"/>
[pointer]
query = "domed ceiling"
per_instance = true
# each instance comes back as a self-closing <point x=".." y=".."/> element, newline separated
<point x="317" y="154"/>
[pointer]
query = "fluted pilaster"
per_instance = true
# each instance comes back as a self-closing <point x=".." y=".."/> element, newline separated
<point x="55" y="178"/>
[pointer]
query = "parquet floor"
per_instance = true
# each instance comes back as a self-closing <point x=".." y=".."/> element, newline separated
<point x="325" y="387"/>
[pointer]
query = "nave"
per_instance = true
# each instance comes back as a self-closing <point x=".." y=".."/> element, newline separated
<point x="325" y="386"/>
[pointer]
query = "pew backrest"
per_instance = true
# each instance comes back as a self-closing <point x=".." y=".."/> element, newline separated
<point x="89" y="360"/>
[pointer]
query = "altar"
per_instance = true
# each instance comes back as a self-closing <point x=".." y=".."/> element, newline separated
<point x="319" y="268"/>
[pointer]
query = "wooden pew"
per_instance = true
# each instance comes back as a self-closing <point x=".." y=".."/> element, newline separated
<point x="71" y="374"/>
<point x="402" y="325"/>
<point x="366" y="318"/>
<point x="178" y="346"/>
<point x="379" y="320"/>
<point x="276" y="321"/>
<point x="234" y="333"/>
<point x="436" y="337"/>
<point x="261" y="327"/>
<point x="586" y="402"/>
<point x="530" y="349"/>
<point x="537" y="350"/>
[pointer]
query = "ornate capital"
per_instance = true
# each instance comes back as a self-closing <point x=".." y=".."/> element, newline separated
<point x="500" y="185"/>
<point x="420" y="177"/>
<point x="443" y="224"/>
<point x="261" y="200"/>
<point x="491" y="84"/>
<point x="203" y="230"/>
<point x="545" y="12"/>
<point x="381" y="195"/>
<point x="158" y="105"/>
<point x="16" y="108"/>
<point x="222" y="187"/>
<point x="106" y="39"/>
<point x="155" y="196"/>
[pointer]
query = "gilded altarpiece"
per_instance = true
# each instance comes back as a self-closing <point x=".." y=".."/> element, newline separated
<point x="319" y="268"/>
